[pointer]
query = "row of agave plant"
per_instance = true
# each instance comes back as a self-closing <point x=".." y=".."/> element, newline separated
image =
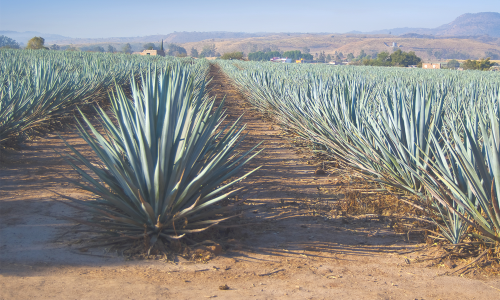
<point x="430" y="134"/>
<point x="166" y="159"/>
<point x="36" y="86"/>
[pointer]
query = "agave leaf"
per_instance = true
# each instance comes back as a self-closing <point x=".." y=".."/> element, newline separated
<point x="164" y="160"/>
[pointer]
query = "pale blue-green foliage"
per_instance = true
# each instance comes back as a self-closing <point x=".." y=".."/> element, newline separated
<point x="388" y="124"/>
<point x="467" y="170"/>
<point x="168" y="160"/>
<point x="38" y="85"/>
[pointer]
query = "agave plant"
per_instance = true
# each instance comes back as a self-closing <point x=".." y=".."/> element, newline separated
<point x="389" y="125"/>
<point x="396" y="141"/>
<point x="168" y="161"/>
<point x="36" y="86"/>
<point x="466" y="174"/>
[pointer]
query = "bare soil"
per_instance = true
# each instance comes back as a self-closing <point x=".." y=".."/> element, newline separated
<point x="295" y="239"/>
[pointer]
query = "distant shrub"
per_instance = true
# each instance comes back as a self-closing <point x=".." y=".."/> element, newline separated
<point x="397" y="58"/>
<point x="8" y="43"/>
<point x="263" y="56"/>
<point x="483" y="64"/>
<point x="453" y="64"/>
<point x="232" y="55"/>
<point x="36" y="43"/>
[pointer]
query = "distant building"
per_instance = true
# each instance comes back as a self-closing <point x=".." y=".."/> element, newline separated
<point x="394" y="45"/>
<point x="303" y="61"/>
<point x="431" y="66"/>
<point x="153" y="52"/>
<point x="281" y="60"/>
<point x="160" y="52"/>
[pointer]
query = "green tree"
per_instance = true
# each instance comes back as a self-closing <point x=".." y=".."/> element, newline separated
<point x="208" y="51"/>
<point x="350" y="56"/>
<point x="36" y="43"/>
<point x="397" y="58"/>
<point x="111" y="49"/>
<point x="328" y="58"/>
<point x="361" y="55"/>
<point x="232" y="55"/>
<point x="194" y="52"/>
<point x="263" y="56"/>
<point x="71" y="48"/>
<point x="94" y="48"/>
<point x="483" y="64"/>
<point x="322" y="57"/>
<point x="55" y="47"/>
<point x="296" y="55"/>
<point x="7" y="42"/>
<point x="306" y="50"/>
<point x="293" y="54"/>
<point x="307" y="56"/>
<point x="383" y="56"/>
<point x="404" y="59"/>
<point x="175" y="50"/>
<point x="453" y="64"/>
<point x="149" y="46"/>
<point x="469" y="65"/>
<point x="127" y="49"/>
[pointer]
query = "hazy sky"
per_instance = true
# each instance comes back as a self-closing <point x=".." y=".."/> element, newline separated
<point x="115" y="18"/>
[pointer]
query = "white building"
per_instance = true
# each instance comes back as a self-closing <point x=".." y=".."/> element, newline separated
<point x="281" y="60"/>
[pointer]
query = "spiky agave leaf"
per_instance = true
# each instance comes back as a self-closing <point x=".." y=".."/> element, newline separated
<point x="165" y="159"/>
<point x="37" y="86"/>
<point x="474" y="186"/>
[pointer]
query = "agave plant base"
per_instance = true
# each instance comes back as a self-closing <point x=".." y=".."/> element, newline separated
<point x="167" y="159"/>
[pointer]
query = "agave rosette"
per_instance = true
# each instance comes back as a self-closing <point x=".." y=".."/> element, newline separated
<point x="168" y="161"/>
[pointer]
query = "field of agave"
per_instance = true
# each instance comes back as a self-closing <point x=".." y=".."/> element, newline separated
<point x="38" y="86"/>
<point x="433" y="135"/>
<point x="165" y="159"/>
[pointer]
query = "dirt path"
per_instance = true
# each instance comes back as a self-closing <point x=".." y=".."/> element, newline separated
<point x="295" y="248"/>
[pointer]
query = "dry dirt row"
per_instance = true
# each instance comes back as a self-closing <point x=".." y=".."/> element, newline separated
<point x="294" y="246"/>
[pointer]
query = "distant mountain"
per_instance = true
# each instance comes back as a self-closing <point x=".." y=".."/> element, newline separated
<point x="189" y="37"/>
<point x="175" y="37"/>
<point x="483" y="26"/>
<point x="466" y="25"/>
<point x="486" y="23"/>
<point x="24" y="37"/>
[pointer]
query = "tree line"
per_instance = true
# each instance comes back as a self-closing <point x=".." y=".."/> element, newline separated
<point x="397" y="58"/>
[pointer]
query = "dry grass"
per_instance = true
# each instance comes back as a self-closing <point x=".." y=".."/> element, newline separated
<point x="349" y="43"/>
